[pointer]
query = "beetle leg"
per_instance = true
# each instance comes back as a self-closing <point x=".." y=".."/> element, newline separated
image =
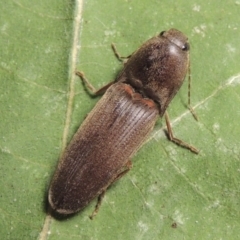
<point x="99" y="202"/>
<point x="125" y="169"/>
<point x="87" y="83"/>
<point x="90" y="87"/>
<point x="118" y="56"/>
<point x="176" y="140"/>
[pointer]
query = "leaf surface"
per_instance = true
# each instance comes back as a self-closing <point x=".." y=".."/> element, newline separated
<point x="170" y="193"/>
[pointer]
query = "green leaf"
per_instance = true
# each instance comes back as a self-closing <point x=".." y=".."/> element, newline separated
<point x="170" y="193"/>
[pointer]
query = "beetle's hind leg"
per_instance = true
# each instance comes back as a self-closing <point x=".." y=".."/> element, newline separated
<point x="125" y="169"/>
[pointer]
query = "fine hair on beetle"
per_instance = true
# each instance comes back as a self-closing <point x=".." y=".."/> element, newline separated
<point x="101" y="150"/>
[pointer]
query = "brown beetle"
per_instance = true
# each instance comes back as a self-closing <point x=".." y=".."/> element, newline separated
<point x="100" y="151"/>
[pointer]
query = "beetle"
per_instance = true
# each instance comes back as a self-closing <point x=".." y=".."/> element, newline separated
<point x="114" y="130"/>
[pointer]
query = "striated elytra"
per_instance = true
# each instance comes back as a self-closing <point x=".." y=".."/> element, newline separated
<point x="113" y="131"/>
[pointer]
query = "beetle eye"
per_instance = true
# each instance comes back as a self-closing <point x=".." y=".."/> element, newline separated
<point x="161" y="33"/>
<point x="186" y="47"/>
